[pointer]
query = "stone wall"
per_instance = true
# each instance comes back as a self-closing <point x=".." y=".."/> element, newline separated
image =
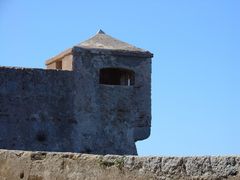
<point x="35" y="109"/>
<point x="121" y="114"/>
<point x="137" y="99"/>
<point x="74" y="166"/>
<point x="56" y="110"/>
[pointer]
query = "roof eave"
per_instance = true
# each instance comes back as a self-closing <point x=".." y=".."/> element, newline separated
<point x="59" y="56"/>
<point x="117" y="52"/>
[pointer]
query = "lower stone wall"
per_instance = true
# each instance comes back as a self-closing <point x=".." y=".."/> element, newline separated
<point x="36" y="109"/>
<point x="73" y="166"/>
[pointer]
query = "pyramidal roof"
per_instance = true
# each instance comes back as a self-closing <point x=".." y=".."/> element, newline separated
<point x="103" y="41"/>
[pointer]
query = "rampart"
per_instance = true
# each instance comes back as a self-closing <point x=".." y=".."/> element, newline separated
<point x="93" y="98"/>
<point x="57" y="110"/>
<point x="35" y="109"/>
<point x="74" y="166"/>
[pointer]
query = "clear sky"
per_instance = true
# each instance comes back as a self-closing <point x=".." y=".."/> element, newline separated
<point x="196" y="64"/>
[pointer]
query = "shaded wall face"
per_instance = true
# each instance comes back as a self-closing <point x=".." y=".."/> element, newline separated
<point x="34" y="109"/>
<point x="114" y="116"/>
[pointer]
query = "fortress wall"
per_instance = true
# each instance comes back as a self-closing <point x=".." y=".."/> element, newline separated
<point x="35" y="109"/>
<point x="114" y="116"/>
<point x="74" y="166"/>
<point x="103" y="129"/>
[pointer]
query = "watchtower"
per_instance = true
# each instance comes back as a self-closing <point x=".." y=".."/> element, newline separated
<point x="113" y="89"/>
<point x="93" y="98"/>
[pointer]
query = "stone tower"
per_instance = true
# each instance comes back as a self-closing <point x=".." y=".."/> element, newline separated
<point x="101" y="91"/>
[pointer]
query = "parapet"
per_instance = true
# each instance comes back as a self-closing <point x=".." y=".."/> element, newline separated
<point x="42" y="165"/>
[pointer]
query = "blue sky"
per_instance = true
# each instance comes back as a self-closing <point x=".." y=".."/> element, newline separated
<point x="196" y="64"/>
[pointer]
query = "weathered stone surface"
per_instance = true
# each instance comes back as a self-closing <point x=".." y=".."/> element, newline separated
<point x="75" y="110"/>
<point x="119" y="113"/>
<point x="73" y="166"/>
<point x="34" y="109"/>
<point x="55" y="110"/>
<point x="105" y="44"/>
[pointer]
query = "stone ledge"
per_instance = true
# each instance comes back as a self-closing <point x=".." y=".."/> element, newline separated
<point x="50" y="165"/>
<point x="13" y="68"/>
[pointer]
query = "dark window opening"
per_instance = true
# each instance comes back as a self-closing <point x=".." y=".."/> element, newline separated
<point x="116" y="76"/>
<point x="59" y="65"/>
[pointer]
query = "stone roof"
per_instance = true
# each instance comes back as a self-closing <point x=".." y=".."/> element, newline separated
<point x="102" y="41"/>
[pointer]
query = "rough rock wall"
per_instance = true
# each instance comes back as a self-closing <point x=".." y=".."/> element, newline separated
<point x="35" y="109"/>
<point x="54" y="110"/>
<point x="51" y="110"/>
<point x="121" y="114"/>
<point x="73" y="166"/>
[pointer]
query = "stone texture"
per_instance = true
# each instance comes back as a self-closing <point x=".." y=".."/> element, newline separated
<point x="123" y="112"/>
<point x="74" y="166"/>
<point x="56" y="110"/>
<point x="106" y="44"/>
<point x="104" y="41"/>
<point x="35" y="111"/>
